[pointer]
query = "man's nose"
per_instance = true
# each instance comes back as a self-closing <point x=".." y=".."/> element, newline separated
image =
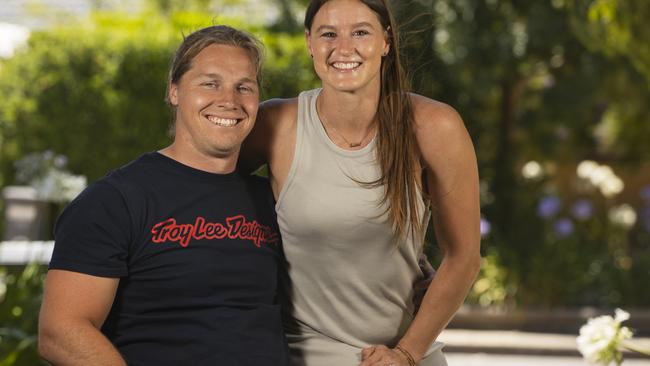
<point x="227" y="98"/>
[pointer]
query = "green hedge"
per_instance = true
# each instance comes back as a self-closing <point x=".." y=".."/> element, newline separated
<point x="95" y="92"/>
<point x="20" y="301"/>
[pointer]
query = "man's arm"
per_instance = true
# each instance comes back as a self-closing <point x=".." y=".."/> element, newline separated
<point x="75" y="306"/>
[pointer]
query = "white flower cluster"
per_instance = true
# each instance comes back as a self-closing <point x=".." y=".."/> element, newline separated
<point x="602" y="177"/>
<point x="532" y="170"/>
<point x="47" y="173"/>
<point x="59" y="186"/>
<point x="622" y="215"/>
<point x="600" y="340"/>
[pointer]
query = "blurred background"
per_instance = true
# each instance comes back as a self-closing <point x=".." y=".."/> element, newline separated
<point x="555" y="94"/>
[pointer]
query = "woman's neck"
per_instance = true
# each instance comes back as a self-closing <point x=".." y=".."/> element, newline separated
<point x="350" y="113"/>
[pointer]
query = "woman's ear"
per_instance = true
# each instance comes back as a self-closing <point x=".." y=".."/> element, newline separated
<point x="387" y="38"/>
<point x="308" y="40"/>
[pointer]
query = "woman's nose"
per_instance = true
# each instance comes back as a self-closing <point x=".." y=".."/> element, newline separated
<point x="345" y="46"/>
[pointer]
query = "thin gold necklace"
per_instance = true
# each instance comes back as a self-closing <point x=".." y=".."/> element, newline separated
<point x="350" y="144"/>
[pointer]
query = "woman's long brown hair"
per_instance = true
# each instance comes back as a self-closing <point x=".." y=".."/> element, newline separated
<point x="397" y="151"/>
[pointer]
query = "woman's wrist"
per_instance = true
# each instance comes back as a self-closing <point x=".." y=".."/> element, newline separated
<point x="404" y="352"/>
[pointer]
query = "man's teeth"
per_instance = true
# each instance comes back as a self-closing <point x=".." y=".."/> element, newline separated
<point x="224" y="122"/>
<point x="346" y="65"/>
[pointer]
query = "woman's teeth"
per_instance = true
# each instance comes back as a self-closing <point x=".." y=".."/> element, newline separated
<point x="346" y="65"/>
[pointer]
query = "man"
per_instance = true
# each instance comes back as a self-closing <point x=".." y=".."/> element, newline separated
<point x="173" y="259"/>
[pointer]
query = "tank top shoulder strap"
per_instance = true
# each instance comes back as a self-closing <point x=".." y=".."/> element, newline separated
<point x="303" y="132"/>
<point x="307" y="117"/>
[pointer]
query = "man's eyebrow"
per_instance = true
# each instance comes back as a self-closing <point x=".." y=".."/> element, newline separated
<point x="210" y="75"/>
<point x="248" y="80"/>
<point x="356" y="25"/>
<point x="218" y="77"/>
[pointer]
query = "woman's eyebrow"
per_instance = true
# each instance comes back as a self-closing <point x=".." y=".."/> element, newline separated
<point x="362" y="24"/>
<point x="356" y="25"/>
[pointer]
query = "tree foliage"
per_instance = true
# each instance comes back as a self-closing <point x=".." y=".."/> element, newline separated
<point x="550" y="82"/>
<point x="95" y="92"/>
<point x="535" y="82"/>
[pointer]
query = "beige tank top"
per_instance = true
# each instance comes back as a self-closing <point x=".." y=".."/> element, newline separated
<point x="349" y="281"/>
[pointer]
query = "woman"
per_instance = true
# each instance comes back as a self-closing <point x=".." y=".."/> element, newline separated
<point x="351" y="165"/>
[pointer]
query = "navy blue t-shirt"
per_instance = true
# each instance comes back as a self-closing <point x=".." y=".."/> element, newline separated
<point x="197" y="255"/>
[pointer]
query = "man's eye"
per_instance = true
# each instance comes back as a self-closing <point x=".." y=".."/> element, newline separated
<point x="209" y="84"/>
<point x="328" y="35"/>
<point x="245" y="89"/>
<point x="360" y="33"/>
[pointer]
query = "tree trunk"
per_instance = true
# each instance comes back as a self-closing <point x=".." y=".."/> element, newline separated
<point x="505" y="180"/>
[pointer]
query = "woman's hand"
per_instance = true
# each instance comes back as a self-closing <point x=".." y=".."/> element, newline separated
<point x="382" y="356"/>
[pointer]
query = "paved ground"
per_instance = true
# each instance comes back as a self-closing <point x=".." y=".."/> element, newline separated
<point x="502" y="342"/>
<point x="483" y="359"/>
<point x="508" y="342"/>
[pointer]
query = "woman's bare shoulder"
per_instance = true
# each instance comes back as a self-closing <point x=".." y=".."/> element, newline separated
<point x="445" y="146"/>
<point x="443" y="140"/>
<point x="433" y="115"/>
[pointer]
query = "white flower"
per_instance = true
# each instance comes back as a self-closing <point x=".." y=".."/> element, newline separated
<point x="60" y="186"/>
<point x="601" y="177"/>
<point x="532" y="170"/>
<point x="47" y="173"/>
<point x="72" y="185"/>
<point x="586" y="168"/>
<point x="611" y="186"/>
<point x="621" y="315"/>
<point x="623" y="215"/>
<point x="601" y="338"/>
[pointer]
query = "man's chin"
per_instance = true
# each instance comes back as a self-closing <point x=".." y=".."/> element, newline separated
<point x="225" y="153"/>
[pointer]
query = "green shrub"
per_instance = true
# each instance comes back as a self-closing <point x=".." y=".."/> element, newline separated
<point x="95" y="92"/>
<point x="20" y="300"/>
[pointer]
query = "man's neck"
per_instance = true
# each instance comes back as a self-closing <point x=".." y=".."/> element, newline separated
<point x="196" y="160"/>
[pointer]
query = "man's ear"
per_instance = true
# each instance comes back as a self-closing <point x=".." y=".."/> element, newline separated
<point x="172" y="94"/>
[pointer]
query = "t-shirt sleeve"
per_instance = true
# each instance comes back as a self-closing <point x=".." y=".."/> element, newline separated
<point x="93" y="233"/>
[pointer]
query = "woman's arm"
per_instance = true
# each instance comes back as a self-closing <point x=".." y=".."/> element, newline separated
<point x="255" y="148"/>
<point x="449" y="158"/>
<point x="272" y="141"/>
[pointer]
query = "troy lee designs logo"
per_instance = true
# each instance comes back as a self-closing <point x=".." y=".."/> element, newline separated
<point x="236" y="227"/>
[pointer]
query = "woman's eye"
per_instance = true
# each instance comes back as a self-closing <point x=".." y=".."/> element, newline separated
<point x="360" y="33"/>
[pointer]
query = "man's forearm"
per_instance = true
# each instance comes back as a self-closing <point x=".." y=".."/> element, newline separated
<point x="77" y="344"/>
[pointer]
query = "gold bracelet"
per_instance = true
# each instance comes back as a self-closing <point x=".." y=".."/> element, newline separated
<point x="406" y="354"/>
